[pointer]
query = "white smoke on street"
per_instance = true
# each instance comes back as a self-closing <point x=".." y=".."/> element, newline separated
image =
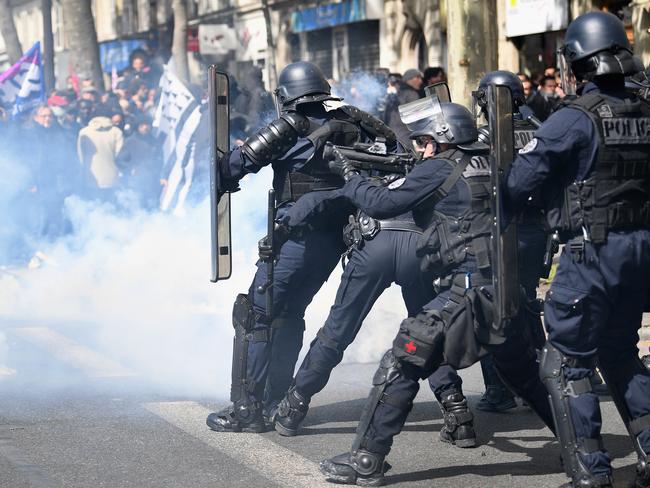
<point x="138" y="284"/>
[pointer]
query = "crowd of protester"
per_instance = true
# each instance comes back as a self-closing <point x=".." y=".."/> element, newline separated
<point x="82" y="140"/>
<point x="97" y="144"/>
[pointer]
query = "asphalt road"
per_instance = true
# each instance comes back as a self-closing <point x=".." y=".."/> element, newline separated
<point x="106" y="427"/>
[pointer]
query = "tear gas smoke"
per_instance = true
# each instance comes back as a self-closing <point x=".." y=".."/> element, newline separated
<point x="361" y="89"/>
<point x="133" y="286"/>
<point x="137" y="283"/>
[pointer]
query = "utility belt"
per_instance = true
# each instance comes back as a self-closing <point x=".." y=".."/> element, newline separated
<point x="297" y="184"/>
<point x="582" y="211"/>
<point x="620" y="216"/>
<point x="362" y="227"/>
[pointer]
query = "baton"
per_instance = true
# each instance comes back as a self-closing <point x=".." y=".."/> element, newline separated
<point x="270" y="263"/>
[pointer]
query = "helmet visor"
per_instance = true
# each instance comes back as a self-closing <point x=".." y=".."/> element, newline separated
<point x="426" y="112"/>
<point x="440" y="90"/>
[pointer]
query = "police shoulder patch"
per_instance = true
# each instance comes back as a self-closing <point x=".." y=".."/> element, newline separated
<point x="605" y="111"/>
<point x="396" y="184"/>
<point x="532" y="144"/>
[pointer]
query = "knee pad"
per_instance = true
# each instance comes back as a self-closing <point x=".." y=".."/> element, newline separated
<point x="243" y="315"/>
<point x="244" y="319"/>
<point x="389" y="370"/>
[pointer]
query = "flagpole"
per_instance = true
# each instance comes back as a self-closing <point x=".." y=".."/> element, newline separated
<point x="48" y="47"/>
<point x="270" y="53"/>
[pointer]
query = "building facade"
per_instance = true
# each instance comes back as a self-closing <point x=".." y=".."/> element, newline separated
<point x="342" y="36"/>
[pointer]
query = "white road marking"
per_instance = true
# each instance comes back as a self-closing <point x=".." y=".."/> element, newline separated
<point x="271" y="460"/>
<point x="93" y="364"/>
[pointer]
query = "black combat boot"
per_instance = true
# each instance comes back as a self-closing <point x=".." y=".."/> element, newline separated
<point x="290" y="413"/>
<point x="592" y="482"/>
<point x="362" y="468"/>
<point x="240" y="417"/>
<point x="458" y="427"/>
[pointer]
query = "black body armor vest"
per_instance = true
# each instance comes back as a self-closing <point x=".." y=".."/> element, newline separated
<point x="344" y="129"/>
<point x="616" y="195"/>
<point x="450" y="239"/>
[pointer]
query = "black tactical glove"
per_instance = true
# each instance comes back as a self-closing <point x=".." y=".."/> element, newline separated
<point x="280" y="236"/>
<point x="388" y="179"/>
<point x="342" y="166"/>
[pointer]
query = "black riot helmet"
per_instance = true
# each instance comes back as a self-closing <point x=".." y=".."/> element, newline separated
<point x="446" y="123"/>
<point x="595" y="44"/>
<point x="499" y="77"/>
<point x="302" y="82"/>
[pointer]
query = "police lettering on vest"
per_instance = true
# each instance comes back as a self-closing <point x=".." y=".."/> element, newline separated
<point x="619" y="130"/>
<point x="477" y="166"/>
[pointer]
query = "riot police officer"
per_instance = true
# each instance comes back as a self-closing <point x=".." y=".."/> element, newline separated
<point x="531" y="232"/>
<point x="591" y="159"/>
<point x="383" y="253"/>
<point x="266" y="345"/>
<point x="450" y="197"/>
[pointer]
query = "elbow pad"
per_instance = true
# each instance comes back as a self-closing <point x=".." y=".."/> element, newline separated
<point x="276" y="139"/>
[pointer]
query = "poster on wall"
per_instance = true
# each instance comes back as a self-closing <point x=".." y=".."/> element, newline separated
<point x="217" y="39"/>
<point x="525" y="17"/>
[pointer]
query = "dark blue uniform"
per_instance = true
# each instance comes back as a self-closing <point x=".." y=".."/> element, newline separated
<point x="388" y="415"/>
<point x="303" y="264"/>
<point x="389" y="257"/>
<point x="597" y="297"/>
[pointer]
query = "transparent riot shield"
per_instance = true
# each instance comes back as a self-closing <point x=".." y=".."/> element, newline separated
<point x="219" y="106"/>
<point x="505" y="271"/>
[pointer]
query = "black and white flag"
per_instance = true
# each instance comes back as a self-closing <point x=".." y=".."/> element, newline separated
<point x="176" y="120"/>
